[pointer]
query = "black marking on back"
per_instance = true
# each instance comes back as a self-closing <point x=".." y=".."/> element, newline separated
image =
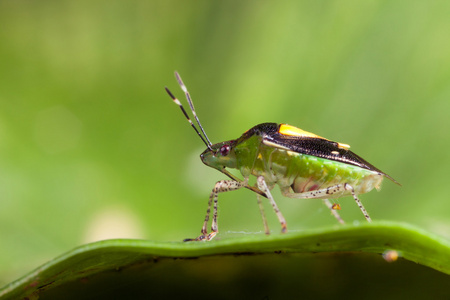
<point x="310" y="146"/>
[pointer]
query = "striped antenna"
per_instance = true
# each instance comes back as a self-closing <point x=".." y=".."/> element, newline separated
<point x="188" y="97"/>
<point x="191" y="104"/>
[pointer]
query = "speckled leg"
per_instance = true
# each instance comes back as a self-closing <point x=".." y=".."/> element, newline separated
<point x="348" y="187"/>
<point x="220" y="187"/>
<point x="331" y="191"/>
<point x="263" y="187"/>
<point x="263" y="215"/>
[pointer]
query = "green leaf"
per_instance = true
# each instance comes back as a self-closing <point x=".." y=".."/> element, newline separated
<point x="90" y="261"/>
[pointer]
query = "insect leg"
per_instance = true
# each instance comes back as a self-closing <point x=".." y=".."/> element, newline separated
<point x="334" y="191"/>
<point x="262" y="185"/>
<point x="333" y="211"/>
<point x="208" y="211"/>
<point x="348" y="187"/>
<point x="219" y="187"/>
<point x="263" y="215"/>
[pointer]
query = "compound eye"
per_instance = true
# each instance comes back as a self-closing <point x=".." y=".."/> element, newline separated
<point x="224" y="150"/>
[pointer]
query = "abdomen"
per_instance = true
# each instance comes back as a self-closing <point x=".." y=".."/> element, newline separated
<point x="305" y="173"/>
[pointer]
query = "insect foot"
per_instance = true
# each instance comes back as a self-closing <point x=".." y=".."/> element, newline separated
<point x="202" y="238"/>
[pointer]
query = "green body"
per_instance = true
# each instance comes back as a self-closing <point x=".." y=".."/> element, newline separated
<point x="294" y="172"/>
<point x="300" y="172"/>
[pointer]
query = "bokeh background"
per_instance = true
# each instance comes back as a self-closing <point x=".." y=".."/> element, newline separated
<point x="91" y="146"/>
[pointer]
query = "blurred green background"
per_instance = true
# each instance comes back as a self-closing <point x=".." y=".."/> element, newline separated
<point x="91" y="146"/>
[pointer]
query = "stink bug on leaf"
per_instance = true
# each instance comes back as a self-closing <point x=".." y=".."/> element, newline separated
<point x="304" y="165"/>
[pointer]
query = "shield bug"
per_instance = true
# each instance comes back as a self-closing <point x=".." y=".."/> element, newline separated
<point x="304" y="165"/>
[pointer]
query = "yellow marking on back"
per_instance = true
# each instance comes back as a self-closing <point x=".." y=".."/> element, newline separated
<point x="343" y="146"/>
<point x="286" y="129"/>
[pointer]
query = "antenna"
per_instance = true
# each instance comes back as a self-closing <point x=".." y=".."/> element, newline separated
<point x="191" y="104"/>
<point x="188" y="97"/>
